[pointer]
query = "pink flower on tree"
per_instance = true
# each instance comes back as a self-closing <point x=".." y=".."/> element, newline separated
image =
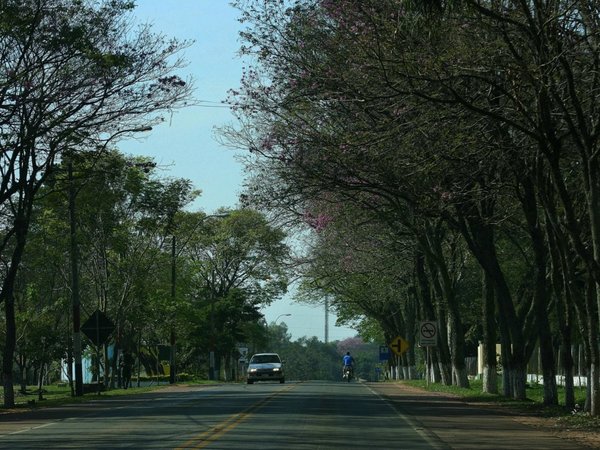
<point x="318" y="222"/>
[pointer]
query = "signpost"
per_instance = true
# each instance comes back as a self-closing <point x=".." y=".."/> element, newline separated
<point x="384" y="353"/>
<point x="98" y="328"/>
<point x="428" y="334"/>
<point x="399" y="346"/>
<point x="243" y="352"/>
<point x="428" y="338"/>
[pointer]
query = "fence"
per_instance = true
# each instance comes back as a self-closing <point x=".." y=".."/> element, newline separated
<point x="534" y="371"/>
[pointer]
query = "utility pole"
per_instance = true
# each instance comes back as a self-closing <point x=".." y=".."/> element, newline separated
<point x="326" y="320"/>
<point x="172" y="369"/>
<point x="75" y="300"/>
<point x="211" y="353"/>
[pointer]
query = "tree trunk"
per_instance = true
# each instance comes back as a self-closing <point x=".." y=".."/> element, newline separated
<point x="23" y="369"/>
<point x="562" y="280"/>
<point x="457" y="343"/>
<point x="541" y="292"/>
<point x="518" y="379"/>
<point x="41" y="374"/>
<point x="108" y="374"/>
<point x="9" y="350"/>
<point x="594" y="356"/>
<point x="412" y="369"/>
<point x="443" y="350"/>
<point x="435" y="374"/>
<point x="456" y="332"/>
<point x="591" y="261"/>
<point x="428" y="313"/>
<point x="594" y="214"/>
<point x="490" y="379"/>
<point x="507" y="386"/>
<point x="548" y="371"/>
<point x="227" y="365"/>
<point x="139" y="357"/>
<point x="8" y="298"/>
<point x="568" y="366"/>
<point x="480" y="239"/>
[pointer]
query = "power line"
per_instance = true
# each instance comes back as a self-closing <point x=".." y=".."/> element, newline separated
<point x="212" y="104"/>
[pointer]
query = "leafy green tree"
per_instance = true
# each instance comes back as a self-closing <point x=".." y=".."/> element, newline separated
<point x="235" y="265"/>
<point x="75" y="76"/>
<point x="122" y="210"/>
<point x="310" y="359"/>
<point x="126" y="238"/>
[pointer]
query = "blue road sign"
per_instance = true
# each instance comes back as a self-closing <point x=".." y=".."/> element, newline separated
<point x="384" y="353"/>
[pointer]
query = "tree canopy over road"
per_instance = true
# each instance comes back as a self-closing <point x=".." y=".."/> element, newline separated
<point x="445" y="153"/>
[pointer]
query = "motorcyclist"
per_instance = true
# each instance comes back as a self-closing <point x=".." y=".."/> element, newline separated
<point x="348" y="363"/>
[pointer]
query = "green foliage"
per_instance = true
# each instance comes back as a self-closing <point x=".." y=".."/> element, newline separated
<point x="230" y="265"/>
<point x="76" y="79"/>
<point x="310" y="359"/>
<point x="133" y="237"/>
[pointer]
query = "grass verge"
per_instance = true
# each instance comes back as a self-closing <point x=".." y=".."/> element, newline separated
<point x="532" y="406"/>
<point x="60" y="394"/>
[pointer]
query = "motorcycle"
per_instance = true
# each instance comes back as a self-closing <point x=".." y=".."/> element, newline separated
<point x="347" y="373"/>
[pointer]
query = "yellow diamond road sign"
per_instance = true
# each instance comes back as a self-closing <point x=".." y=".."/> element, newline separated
<point x="399" y="345"/>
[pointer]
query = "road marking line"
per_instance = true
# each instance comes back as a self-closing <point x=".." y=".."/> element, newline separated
<point x="427" y="435"/>
<point x="212" y="434"/>
<point x="33" y="428"/>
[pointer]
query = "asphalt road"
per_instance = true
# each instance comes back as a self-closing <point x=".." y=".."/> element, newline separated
<point x="309" y="415"/>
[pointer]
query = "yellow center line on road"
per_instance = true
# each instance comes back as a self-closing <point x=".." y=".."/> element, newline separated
<point x="215" y="432"/>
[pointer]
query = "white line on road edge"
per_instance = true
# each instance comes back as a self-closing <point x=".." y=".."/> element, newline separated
<point x="429" y="436"/>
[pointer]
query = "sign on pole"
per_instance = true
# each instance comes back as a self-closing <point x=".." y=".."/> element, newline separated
<point x="98" y="328"/>
<point x="399" y="345"/>
<point x="428" y="334"/>
<point x="384" y="353"/>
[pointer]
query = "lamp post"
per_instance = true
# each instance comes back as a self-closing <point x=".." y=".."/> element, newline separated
<point x="275" y="334"/>
<point x="211" y="351"/>
<point x="279" y="316"/>
<point x="172" y="366"/>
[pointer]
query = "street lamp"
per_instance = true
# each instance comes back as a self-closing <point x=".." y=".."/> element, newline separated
<point x="275" y="334"/>
<point x="281" y="315"/>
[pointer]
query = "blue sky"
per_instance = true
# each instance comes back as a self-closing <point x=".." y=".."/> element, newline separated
<point x="186" y="147"/>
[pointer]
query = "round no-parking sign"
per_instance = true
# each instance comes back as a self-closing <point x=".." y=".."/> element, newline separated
<point x="427" y="334"/>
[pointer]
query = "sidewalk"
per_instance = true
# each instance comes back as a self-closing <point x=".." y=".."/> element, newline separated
<point x="457" y="424"/>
